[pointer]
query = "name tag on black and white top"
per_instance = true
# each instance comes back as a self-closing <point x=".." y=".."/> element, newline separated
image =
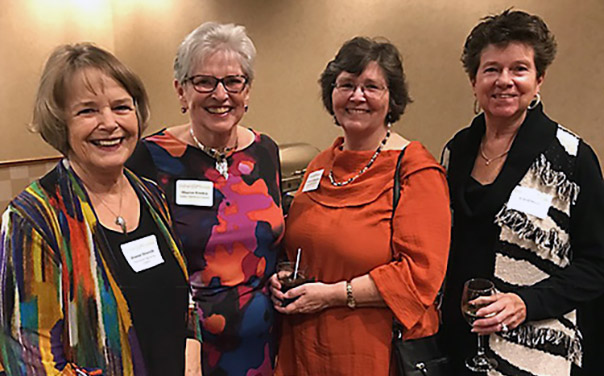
<point x="143" y="253"/>
<point x="530" y="201"/>
<point x="313" y="180"/>
<point x="195" y="193"/>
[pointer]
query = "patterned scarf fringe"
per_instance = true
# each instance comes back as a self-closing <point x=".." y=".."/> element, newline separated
<point x="532" y="337"/>
<point x="566" y="189"/>
<point x="521" y="225"/>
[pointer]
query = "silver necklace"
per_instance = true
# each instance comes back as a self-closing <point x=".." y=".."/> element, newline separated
<point x="119" y="220"/>
<point x="335" y="183"/>
<point x="220" y="156"/>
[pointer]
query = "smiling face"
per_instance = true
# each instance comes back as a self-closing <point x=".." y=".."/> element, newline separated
<point x="101" y="122"/>
<point x="219" y="111"/>
<point x="506" y="81"/>
<point x="358" y="112"/>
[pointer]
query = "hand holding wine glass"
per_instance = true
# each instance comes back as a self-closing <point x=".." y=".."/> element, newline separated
<point x="470" y="304"/>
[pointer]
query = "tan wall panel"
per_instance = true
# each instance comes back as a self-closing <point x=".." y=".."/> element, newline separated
<point x="29" y="31"/>
<point x="295" y="39"/>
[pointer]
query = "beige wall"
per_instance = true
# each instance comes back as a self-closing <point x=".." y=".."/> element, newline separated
<point x="295" y="39"/>
<point x="29" y="30"/>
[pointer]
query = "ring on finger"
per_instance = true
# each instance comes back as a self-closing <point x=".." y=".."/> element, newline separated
<point x="504" y="328"/>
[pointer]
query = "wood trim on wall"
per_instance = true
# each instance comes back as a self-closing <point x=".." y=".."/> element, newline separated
<point x="26" y="161"/>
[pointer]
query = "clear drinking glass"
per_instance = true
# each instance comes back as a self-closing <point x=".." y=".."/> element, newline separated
<point x="473" y="289"/>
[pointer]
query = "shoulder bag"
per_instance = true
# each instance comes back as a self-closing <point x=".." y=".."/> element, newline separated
<point x="421" y="356"/>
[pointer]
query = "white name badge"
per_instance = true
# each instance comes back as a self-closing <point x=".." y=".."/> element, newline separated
<point x="530" y="201"/>
<point x="194" y="192"/>
<point x="143" y="253"/>
<point x="313" y="180"/>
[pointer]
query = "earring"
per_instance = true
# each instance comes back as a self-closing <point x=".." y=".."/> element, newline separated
<point x="335" y="120"/>
<point x="535" y="102"/>
<point x="476" y="107"/>
<point x="245" y="108"/>
<point x="389" y="117"/>
<point x="389" y="125"/>
<point x="183" y="110"/>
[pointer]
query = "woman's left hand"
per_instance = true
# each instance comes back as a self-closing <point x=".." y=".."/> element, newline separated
<point x="312" y="297"/>
<point x="503" y="312"/>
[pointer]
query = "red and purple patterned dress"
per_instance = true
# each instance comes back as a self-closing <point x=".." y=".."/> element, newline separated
<point x="231" y="247"/>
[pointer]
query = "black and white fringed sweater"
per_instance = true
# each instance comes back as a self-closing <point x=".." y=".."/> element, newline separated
<point x="535" y="247"/>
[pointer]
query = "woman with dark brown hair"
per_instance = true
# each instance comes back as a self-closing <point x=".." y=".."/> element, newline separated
<point x="372" y="262"/>
<point x="92" y="280"/>
<point x="528" y="209"/>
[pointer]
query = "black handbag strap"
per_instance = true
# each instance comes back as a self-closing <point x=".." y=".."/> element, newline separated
<point x="396" y="194"/>
<point x="396" y="197"/>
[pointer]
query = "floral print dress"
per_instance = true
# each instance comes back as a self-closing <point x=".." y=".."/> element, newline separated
<point x="231" y="241"/>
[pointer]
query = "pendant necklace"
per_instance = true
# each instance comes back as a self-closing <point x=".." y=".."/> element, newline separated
<point x="487" y="160"/>
<point x="220" y="156"/>
<point x="119" y="220"/>
<point x="335" y="183"/>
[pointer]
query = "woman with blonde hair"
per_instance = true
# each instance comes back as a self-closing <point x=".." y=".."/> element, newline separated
<point x="92" y="281"/>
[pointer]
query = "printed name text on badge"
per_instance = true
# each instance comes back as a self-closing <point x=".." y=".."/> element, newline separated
<point x="195" y="193"/>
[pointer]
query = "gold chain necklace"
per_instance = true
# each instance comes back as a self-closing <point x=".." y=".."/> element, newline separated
<point x="220" y="156"/>
<point x="335" y="183"/>
<point x="119" y="220"/>
<point x="487" y="160"/>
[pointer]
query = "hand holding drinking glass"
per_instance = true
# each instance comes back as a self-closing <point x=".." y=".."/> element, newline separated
<point x="470" y="304"/>
<point x="290" y="276"/>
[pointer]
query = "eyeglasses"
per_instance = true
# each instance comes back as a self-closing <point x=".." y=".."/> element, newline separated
<point x="369" y="90"/>
<point x="207" y="84"/>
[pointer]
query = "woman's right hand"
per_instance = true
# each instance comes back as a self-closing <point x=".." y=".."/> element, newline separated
<point x="313" y="297"/>
<point x="275" y="288"/>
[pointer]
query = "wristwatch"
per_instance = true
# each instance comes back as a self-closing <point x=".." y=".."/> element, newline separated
<point x="350" y="301"/>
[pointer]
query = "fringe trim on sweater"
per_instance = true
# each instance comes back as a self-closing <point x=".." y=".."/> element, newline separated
<point x="566" y="189"/>
<point x="533" y="337"/>
<point x="521" y="225"/>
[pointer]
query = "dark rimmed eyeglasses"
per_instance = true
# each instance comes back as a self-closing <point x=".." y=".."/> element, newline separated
<point x="207" y="84"/>
<point x="370" y="90"/>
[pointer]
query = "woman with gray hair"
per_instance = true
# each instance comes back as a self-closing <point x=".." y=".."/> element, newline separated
<point x="223" y="181"/>
<point x="92" y="280"/>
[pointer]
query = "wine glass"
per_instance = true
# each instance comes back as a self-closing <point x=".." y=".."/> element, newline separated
<point x="473" y="289"/>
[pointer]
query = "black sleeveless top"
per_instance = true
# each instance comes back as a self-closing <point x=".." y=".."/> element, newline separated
<point x="157" y="298"/>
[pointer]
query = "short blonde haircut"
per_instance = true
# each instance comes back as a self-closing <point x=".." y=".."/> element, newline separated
<point x="49" y="108"/>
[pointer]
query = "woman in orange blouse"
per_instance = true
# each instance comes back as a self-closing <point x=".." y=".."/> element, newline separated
<point x="341" y="219"/>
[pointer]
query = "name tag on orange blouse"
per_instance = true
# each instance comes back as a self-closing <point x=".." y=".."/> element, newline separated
<point x="313" y="180"/>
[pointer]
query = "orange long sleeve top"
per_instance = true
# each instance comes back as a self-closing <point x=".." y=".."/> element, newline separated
<point x="344" y="233"/>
